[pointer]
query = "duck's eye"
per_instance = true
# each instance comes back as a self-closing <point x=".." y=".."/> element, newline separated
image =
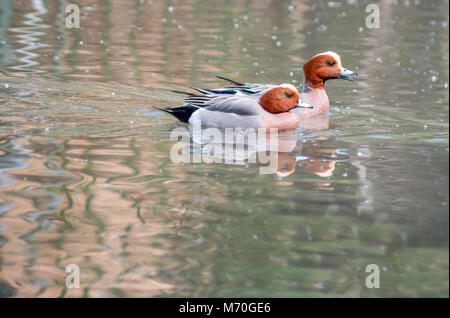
<point x="330" y="63"/>
<point x="288" y="95"/>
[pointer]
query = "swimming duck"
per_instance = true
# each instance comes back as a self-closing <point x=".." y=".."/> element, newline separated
<point x="317" y="70"/>
<point x="268" y="109"/>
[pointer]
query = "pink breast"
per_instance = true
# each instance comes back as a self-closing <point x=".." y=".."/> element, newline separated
<point x="283" y="121"/>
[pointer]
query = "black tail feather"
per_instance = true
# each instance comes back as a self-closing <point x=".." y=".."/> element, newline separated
<point x="201" y="90"/>
<point x="182" y="113"/>
<point x="185" y="93"/>
<point x="231" y="81"/>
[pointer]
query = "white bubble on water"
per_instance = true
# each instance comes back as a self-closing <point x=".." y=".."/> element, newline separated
<point x="332" y="4"/>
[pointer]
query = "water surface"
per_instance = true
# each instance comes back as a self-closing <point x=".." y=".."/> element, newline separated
<point x="86" y="177"/>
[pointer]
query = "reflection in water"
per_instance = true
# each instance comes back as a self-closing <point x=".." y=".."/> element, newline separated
<point x="274" y="153"/>
<point x="122" y="203"/>
<point x="86" y="176"/>
<point x="30" y="36"/>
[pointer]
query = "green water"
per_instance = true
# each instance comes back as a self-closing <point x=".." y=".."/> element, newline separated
<point x="86" y="177"/>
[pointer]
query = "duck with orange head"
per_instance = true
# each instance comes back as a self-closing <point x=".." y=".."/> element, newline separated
<point x="317" y="71"/>
<point x="270" y="109"/>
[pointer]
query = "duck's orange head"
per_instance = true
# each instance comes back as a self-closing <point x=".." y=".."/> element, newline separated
<point x="325" y="66"/>
<point x="281" y="99"/>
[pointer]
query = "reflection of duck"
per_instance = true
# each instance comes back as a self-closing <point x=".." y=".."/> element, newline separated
<point x="287" y="150"/>
<point x="243" y="148"/>
<point x="316" y="158"/>
<point x="286" y="165"/>
<point x="267" y="110"/>
<point x="315" y="162"/>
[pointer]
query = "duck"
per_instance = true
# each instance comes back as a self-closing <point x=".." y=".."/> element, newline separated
<point x="317" y="70"/>
<point x="268" y="109"/>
